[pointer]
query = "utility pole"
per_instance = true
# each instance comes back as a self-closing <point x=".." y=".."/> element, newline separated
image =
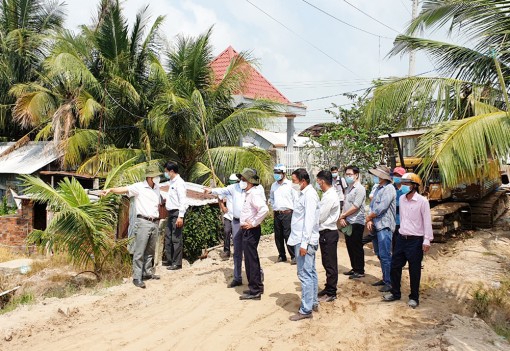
<point x="412" y="54"/>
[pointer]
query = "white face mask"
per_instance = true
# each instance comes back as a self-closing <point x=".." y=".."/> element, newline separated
<point x="156" y="180"/>
<point x="243" y="185"/>
<point x="296" y="187"/>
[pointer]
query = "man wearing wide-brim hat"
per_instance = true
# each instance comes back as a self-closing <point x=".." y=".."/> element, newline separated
<point x="252" y="214"/>
<point x="381" y="220"/>
<point x="147" y="198"/>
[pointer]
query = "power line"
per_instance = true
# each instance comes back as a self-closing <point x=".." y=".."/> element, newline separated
<point x="341" y="21"/>
<point x="302" y="38"/>
<point x="369" y="16"/>
<point x="405" y="7"/>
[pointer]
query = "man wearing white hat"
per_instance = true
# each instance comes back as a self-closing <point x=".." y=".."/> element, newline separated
<point x="147" y="199"/>
<point x="282" y="198"/>
<point x="381" y="220"/>
<point x="226" y="206"/>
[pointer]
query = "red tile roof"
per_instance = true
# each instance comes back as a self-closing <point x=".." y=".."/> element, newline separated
<point x="256" y="85"/>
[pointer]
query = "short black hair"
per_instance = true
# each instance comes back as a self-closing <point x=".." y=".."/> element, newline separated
<point x="172" y="166"/>
<point x="325" y="176"/>
<point x="334" y="168"/>
<point x="354" y="169"/>
<point x="302" y="174"/>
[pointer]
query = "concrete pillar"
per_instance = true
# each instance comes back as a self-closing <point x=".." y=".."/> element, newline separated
<point x="290" y="141"/>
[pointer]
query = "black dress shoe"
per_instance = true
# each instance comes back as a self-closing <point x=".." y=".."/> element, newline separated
<point x="322" y="293"/>
<point x="250" y="297"/>
<point x="282" y="259"/>
<point x="234" y="283"/>
<point x="151" y="276"/>
<point x="351" y="272"/>
<point x="385" y="288"/>
<point x="378" y="283"/>
<point x="138" y="283"/>
<point x="166" y="263"/>
<point x="248" y="292"/>
<point x="174" y="267"/>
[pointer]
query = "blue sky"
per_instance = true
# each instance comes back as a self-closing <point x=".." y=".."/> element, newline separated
<point x="297" y="69"/>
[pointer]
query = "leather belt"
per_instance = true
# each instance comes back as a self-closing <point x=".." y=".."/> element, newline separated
<point x="147" y="218"/>
<point x="324" y="231"/>
<point x="411" y="237"/>
<point x="283" y="212"/>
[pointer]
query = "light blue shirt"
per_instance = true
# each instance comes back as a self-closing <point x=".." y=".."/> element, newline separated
<point x="305" y="219"/>
<point x="383" y="205"/>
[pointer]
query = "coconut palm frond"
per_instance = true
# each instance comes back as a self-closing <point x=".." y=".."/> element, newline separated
<point x="88" y="108"/>
<point x="70" y="70"/>
<point x="111" y="180"/>
<point x="31" y="108"/>
<point x="78" y="145"/>
<point x="465" y="149"/>
<point x="202" y="174"/>
<point x="109" y="158"/>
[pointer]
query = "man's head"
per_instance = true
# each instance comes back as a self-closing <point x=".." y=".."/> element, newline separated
<point x="249" y="179"/>
<point x="171" y="170"/>
<point x="334" y="171"/>
<point x="411" y="182"/>
<point x="398" y="172"/>
<point x="279" y="172"/>
<point x="300" y="179"/>
<point x="351" y="174"/>
<point x="324" y="179"/>
<point x="233" y="179"/>
<point x="381" y="174"/>
<point x="152" y="174"/>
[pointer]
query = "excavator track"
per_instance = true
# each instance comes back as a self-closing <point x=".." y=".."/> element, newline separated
<point x="486" y="211"/>
<point x="447" y="217"/>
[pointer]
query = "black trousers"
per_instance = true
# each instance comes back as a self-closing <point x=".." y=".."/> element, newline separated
<point x="328" y="242"/>
<point x="251" y="238"/>
<point x="173" y="240"/>
<point x="282" y="233"/>
<point x="227" y="228"/>
<point x="407" y="250"/>
<point x="394" y="238"/>
<point x="355" y="248"/>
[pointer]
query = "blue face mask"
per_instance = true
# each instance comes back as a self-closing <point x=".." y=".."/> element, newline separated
<point x="278" y="176"/>
<point x="375" y="179"/>
<point x="405" y="189"/>
<point x="397" y="180"/>
<point x="167" y="176"/>
<point x="335" y="175"/>
<point x="349" y="179"/>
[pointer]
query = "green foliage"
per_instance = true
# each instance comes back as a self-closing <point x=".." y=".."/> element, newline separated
<point x="5" y="209"/>
<point x="267" y="225"/>
<point x="349" y="141"/>
<point x="492" y="304"/>
<point x="202" y="229"/>
<point x="79" y="228"/>
<point x="15" y="301"/>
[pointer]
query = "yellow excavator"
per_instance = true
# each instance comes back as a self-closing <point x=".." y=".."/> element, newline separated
<point x="461" y="206"/>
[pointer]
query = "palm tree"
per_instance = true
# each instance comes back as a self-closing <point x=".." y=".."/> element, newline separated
<point x="467" y="106"/>
<point x="26" y="29"/>
<point x="80" y="227"/>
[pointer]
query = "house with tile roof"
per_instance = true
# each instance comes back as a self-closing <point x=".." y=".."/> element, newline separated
<point x="258" y="87"/>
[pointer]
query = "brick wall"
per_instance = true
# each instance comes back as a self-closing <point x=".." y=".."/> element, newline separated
<point x="14" y="229"/>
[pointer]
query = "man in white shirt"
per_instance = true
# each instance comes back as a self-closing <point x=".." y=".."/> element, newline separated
<point x="146" y="201"/>
<point x="281" y="198"/>
<point x="339" y="184"/>
<point x="225" y="203"/>
<point x="253" y="212"/>
<point x="328" y="235"/>
<point x="176" y="206"/>
<point x="304" y="237"/>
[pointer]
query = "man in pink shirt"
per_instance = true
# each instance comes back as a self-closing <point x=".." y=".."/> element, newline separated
<point x="413" y="240"/>
<point x="252" y="214"/>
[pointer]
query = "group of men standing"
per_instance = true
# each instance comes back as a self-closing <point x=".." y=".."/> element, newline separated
<point x="398" y="221"/>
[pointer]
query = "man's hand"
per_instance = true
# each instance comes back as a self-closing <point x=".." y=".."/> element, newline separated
<point x="370" y="226"/>
<point x="247" y="226"/>
<point x="105" y="192"/>
<point x="302" y="252"/>
<point x="207" y="190"/>
<point x="426" y="248"/>
<point x="343" y="223"/>
<point x="179" y="222"/>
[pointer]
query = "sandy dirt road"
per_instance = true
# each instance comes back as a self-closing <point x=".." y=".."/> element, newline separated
<point x="192" y="309"/>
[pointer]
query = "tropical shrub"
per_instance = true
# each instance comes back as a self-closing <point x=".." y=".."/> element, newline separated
<point x="203" y="228"/>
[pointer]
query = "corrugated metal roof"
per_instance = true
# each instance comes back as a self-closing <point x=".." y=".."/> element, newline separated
<point x="28" y="158"/>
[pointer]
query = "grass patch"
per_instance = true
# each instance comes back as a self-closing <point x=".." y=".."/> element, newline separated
<point x="7" y="254"/>
<point x="492" y="304"/>
<point x="23" y="299"/>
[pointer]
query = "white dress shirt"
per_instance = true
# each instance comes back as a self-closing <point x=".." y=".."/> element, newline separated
<point x="282" y="196"/>
<point x="329" y="210"/>
<point x="340" y="184"/>
<point x="254" y="208"/>
<point x="230" y="214"/>
<point x="176" y="195"/>
<point x="146" y="199"/>
<point x="305" y="219"/>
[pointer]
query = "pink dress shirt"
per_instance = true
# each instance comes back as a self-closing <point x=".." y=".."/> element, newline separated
<point x="254" y="208"/>
<point x="415" y="218"/>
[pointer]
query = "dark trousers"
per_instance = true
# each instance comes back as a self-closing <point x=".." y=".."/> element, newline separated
<point x="355" y="248"/>
<point x="328" y="242"/>
<point x="411" y="251"/>
<point x="227" y="228"/>
<point x="251" y="238"/>
<point x="394" y="238"/>
<point x="282" y="233"/>
<point x="173" y="240"/>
